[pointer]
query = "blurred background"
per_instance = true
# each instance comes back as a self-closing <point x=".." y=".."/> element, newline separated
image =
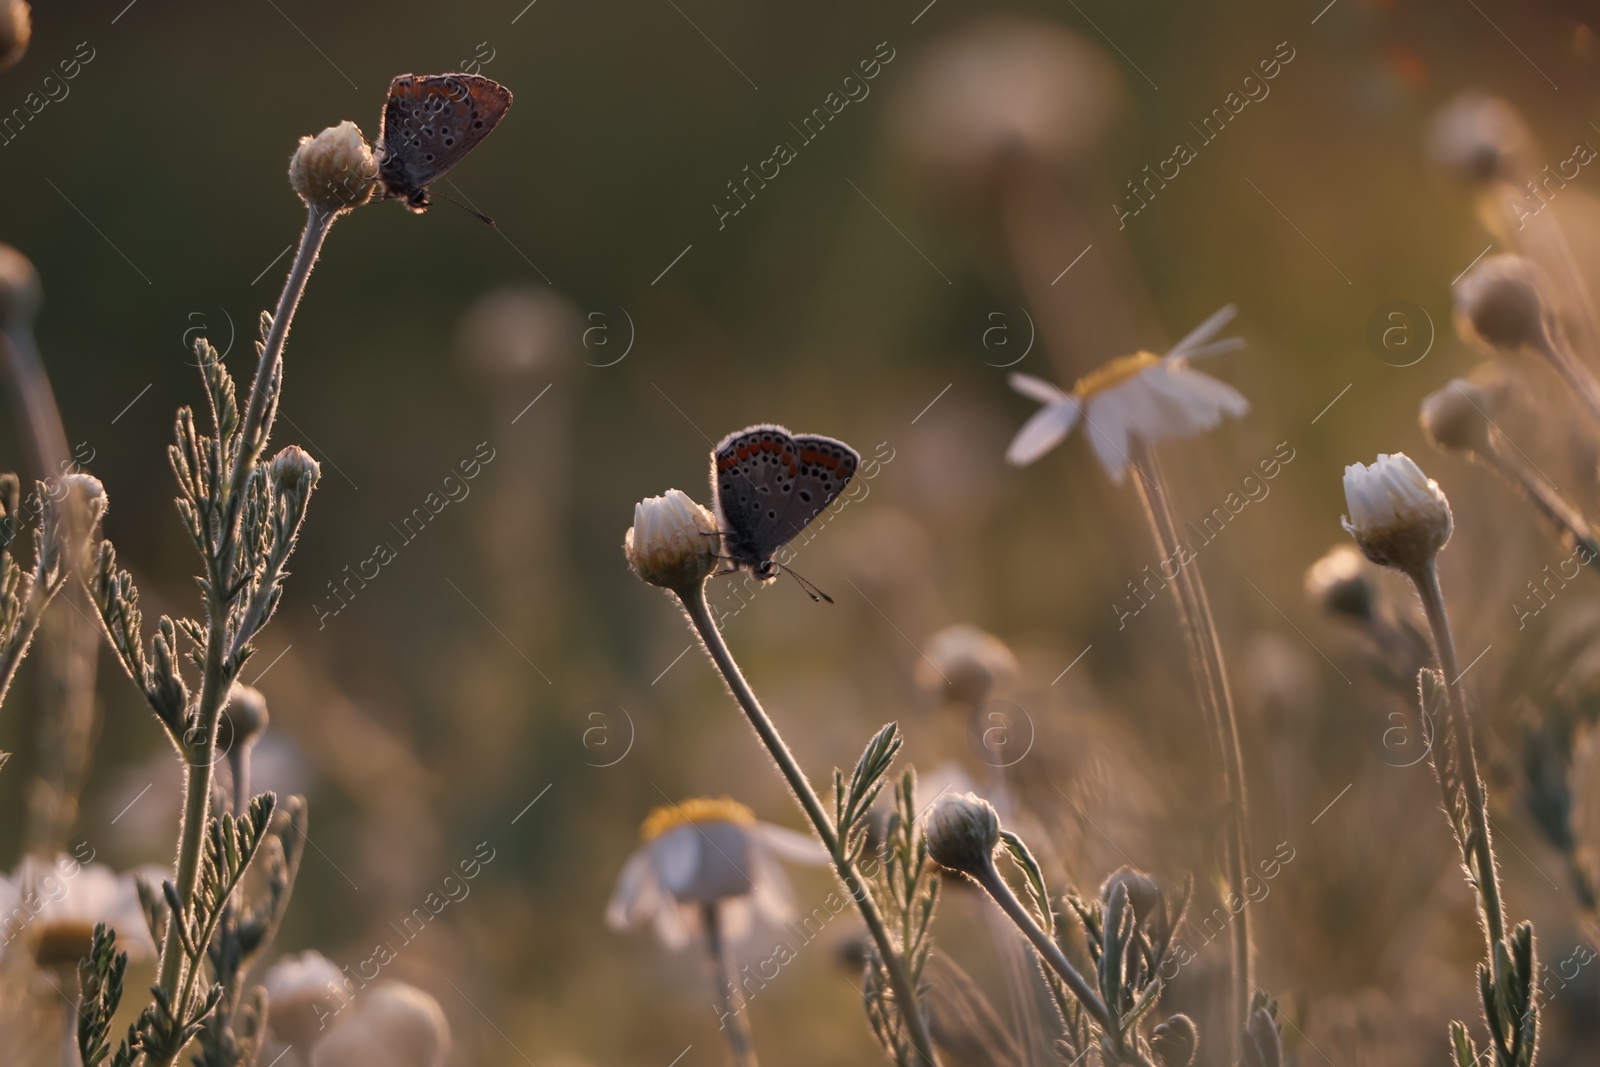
<point x="506" y="687"/>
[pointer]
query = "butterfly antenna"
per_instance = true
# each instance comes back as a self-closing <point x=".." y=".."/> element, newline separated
<point x="470" y="211"/>
<point x="811" y="590"/>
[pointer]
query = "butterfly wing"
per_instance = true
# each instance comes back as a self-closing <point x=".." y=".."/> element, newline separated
<point x="430" y="122"/>
<point x="769" y="484"/>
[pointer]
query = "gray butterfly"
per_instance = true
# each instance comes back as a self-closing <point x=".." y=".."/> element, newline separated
<point x="768" y="484"/>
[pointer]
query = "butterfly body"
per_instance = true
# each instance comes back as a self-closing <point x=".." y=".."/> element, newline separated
<point x="430" y="121"/>
<point x="768" y="484"/>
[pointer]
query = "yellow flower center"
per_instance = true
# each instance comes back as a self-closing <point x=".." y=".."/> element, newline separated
<point x="1113" y="374"/>
<point x="694" y="810"/>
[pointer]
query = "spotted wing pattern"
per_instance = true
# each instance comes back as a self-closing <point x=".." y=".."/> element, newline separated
<point x="769" y="484"/>
<point x="429" y="123"/>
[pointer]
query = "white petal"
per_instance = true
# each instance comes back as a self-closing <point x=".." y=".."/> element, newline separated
<point x="773" y="896"/>
<point x="1036" y="388"/>
<point x="1203" y="333"/>
<point x="1107" y="422"/>
<point x="1215" y="348"/>
<point x="1043" y="432"/>
<point x="793" y="846"/>
<point x="677" y="854"/>
<point x="674" y="924"/>
<point x="637" y="895"/>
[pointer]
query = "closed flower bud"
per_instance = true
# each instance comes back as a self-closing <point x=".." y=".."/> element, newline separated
<point x="335" y="170"/>
<point x="1175" y="1041"/>
<point x="1457" y="417"/>
<point x="1500" y="304"/>
<point x="16" y="28"/>
<point x="305" y="995"/>
<point x="965" y="665"/>
<point x="247" y="712"/>
<point x="396" y="1024"/>
<point x="962" y="831"/>
<point x="294" y="471"/>
<point x="1338" y="584"/>
<point x="1398" y="515"/>
<point x="1149" y="904"/>
<point x="673" y="541"/>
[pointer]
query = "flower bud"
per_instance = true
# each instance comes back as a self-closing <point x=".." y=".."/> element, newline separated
<point x="1457" y="417"/>
<point x="1149" y="903"/>
<point x="673" y="541"/>
<point x="335" y="170"/>
<point x="1500" y="304"/>
<point x="293" y="471"/>
<point x="1398" y="515"/>
<point x="407" y="1023"/>
<point x="16" y="29"/>
<point x="19" y="288"/>
<point x="1174" y="1042"/>
<point x="965" y="665"/>
<point x="304" y="994"/>
<point x="962" y="832"/>
<point x="247" y="712"/>
<point x="1338" y="584"/>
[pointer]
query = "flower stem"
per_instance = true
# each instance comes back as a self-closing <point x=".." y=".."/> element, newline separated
<point x="1579" y="377"/>
<point x="905" y="994"/>
<point x="200" y="752"/>
<point x="1486" y="879"/>
<point x="1546" y="499"/>
<point x="733" y="1023"/>
<point x="1216" y="704"/>
<point x="1057" y="961"/>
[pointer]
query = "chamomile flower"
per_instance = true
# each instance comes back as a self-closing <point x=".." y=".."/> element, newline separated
<point x="707" y="852"/>
<point x="51" y="907"/>
<point x="1154" y="398"/>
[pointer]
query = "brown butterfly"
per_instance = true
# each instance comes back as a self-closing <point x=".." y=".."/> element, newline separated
<point x="429" y="122"/>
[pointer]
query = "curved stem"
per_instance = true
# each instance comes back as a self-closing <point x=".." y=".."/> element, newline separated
<point x="733" y="1022"/>
<point x="1487" y="881"/>
<point x="694" y="603"/>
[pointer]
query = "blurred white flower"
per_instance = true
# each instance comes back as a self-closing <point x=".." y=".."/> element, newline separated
<point x="395" y="1025"/>
<point x="707" y="851"/>
<point x="50" y="908"/>
<point x="1398" y="515"/>
<point x="1154" y="398"/>
<point x="305" y="995"/>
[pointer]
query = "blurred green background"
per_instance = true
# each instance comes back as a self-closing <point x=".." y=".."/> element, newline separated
<point x="463" y="683"/>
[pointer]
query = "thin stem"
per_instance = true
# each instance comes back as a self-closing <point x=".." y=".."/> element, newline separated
<point x="1576" y="374"/>
<point x="1045" y="945"/>
<point x="1556" y="509"/>
<point x="733" y="1023"/>
<point x="1487" y="879"/>
<point x="694" y="603"/>
<point x="40" y="593"/>
<point x="1050" y="953"/>
<point x="201" y="739"/>
<point x="1216" y="704"/>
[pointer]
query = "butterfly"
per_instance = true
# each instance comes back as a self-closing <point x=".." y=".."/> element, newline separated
<point x="768" y="484"/>
<point x="429" y="122"/>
